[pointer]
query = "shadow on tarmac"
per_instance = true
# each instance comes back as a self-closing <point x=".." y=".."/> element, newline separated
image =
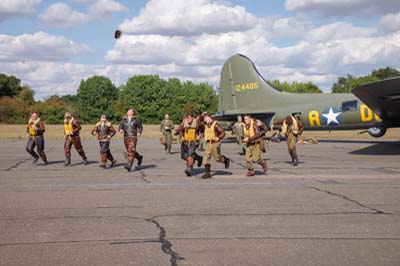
<point x="380" y="148"/>
<point x="55" y="162"/>
<point x="146" y="166"/>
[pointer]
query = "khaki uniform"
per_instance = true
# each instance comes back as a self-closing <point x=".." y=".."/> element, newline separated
<point x="253" y="148"/>
<point x="166" y="128"/>
<point x="238" y="130"/>
<point x="291" y="132"/>
<point x="213" y="148"/>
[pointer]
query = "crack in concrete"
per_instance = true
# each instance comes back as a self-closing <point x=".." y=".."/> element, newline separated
<point x="376" y="211"/>
<point x="166" y="246"/>
<point x="145" y="241"/>
<point x="22" y="161"/>
<point x="188" y="214"/>
<point x="385" y="171"/>
<point x="142" y="176"/>
<point x="16" y="165"/>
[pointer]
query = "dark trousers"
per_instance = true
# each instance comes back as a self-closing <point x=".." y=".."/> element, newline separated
<point x="188" y="153"/>
<point x="38" y="142"/>
<point x="76" y="141"/>
<point x="105" y="152"/>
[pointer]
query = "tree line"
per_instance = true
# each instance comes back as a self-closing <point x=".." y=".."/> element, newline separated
<point x="151" y="95"/>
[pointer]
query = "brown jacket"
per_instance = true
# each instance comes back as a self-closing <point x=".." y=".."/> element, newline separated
<point x="103" y="132"/>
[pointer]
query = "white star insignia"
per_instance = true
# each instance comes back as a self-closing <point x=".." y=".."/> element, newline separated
<point x="331" y="116"/>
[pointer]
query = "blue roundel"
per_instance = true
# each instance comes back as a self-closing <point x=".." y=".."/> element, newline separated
<point x="331" y="116"/>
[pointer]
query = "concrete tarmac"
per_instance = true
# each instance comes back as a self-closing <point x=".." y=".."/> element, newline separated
<point x="339" y="206"/>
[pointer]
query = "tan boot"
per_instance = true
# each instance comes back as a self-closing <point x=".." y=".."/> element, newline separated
<point x="265" y="167"/>
<point x="250" y="172"/>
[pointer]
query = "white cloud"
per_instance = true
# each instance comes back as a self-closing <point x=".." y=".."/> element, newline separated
<point x="39" y="46"/>
<point x="325" y="52"/>
<point x="189" y="17"/>
<point x="184" y="42"/>
<point x="61" y="15"/>
<point x="390" y="23"/>
<point x="12" y="8"/>
<point x="343" y="8"/>
<point x="49" y="78"/>
<point x="338" y="31"/>
<point x="104" y="9"/>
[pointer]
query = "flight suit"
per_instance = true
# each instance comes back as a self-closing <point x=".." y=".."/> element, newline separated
<point x="253" y="148"/>
<point x="105" y="131"/>
<point x="35" y="129"/>
<point x="131" y="128"/>
<point x="190" y="133"/>
<point x="71" y="133"/>
<point x="213" y="146"/>
<point x="166" y="128"/>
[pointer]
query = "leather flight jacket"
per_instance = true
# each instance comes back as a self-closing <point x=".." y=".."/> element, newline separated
<point x="131" y="127"/>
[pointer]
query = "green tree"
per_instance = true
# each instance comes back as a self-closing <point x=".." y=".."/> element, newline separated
<point x="10" y="111"/>
<point x="385" y="73"/>
<point x="145" y="94"/>
<point x="26" y="96"/>
<point x="346" y="84"/>
<point x="9" y="86"/>
<point x="52" y="109"/>
<point x="70" y="99"/>
<point x="349" y="82"/>
<point x="153" y="97"/>
<point x="96" y="96"/>
<point x="296" y="87"/>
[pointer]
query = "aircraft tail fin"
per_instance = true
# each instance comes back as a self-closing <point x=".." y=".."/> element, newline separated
<point x="242" y="88"/>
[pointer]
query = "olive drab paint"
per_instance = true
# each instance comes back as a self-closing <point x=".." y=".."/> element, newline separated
<point x="242" y="90"/>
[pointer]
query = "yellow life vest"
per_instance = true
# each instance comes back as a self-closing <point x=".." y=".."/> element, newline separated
<point x="249" y="132"/>
<point x="32" y="126"/>
<point x="190" y="130"/>
<point x="295" y="127"/>
<point x="209" y="132"/>
<point x="68" y="127"/>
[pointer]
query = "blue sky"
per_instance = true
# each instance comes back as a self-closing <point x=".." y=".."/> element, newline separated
<point x="52" y="45"/>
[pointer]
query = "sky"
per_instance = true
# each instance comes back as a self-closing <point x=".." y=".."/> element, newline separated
<point x="52" y="45"/>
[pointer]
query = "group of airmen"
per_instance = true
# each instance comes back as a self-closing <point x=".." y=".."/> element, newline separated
<point x="249" y="135"/>
<point x="191" y="131"/>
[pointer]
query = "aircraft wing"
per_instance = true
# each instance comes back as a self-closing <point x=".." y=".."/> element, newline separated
<point x="383" y="97"/>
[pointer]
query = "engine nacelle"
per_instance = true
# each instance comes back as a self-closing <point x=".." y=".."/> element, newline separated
<point x="376" y="131"/>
